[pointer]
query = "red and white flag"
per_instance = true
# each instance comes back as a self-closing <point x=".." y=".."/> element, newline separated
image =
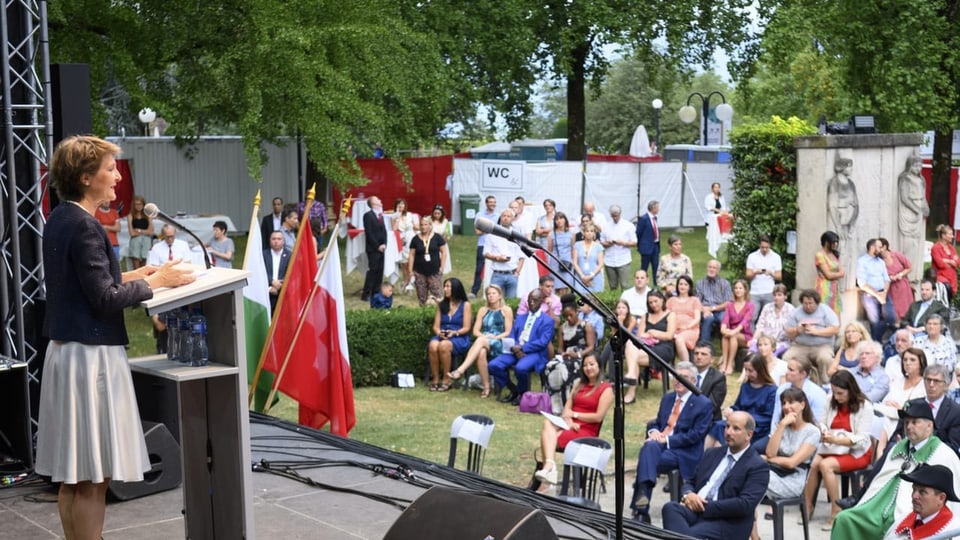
<point x="311" y="325"/>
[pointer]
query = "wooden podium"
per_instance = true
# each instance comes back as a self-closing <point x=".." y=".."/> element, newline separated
<point x="206" y="407"/>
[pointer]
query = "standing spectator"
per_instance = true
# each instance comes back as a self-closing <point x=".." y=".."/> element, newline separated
<point x="271" y="222"/>
<point x="109" y="219"/>
<point x="812" y="328"/>
<point x="599" y="220"/>
<point x="673" y="265"/>
<point x="648" y="240"/>
<point x="764" y="270"/>
<point x="617" y="239"/>
<point x="378" y="152"/>
<point x="451" y="333"/>
<point x="140" y="227"/>
<point x="829" y="271"/>
<point x="736" y="328"/>
<point x="874" y="283"/>
<point x="636" y="297"/>
<point x="289" y="226"/>
<point x="584" y="221"/>
<point x="846" y="441"/>
<point x="714" y="293"/>
<point x="898" y="268"/>
<point x="441" y="225"/>
<point x="375" y="244"/>
<point x="170" y="249"/>
<point x="427" y="253"/>
<point x="588" y="259"/>
<point x="939" y="348"/>
<point x="524" y="220"/>
<point x="221" y="247"/>
<point x="945" y="260"/>
<point x="276" y="259"/>
<point x="688" y="310"/>
<point x="489" y="213"/>
<point x="560" y="243"/>
<point x="544" y="226"/>
<point x="407" y="224"/>
<point x="506" y="259"/>
<point x="772" y="319"/>
<point x="714" y="204"/>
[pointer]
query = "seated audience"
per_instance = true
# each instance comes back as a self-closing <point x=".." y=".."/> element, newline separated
<point x="915" y="319"/>
<point x="791" y="448"/>
<point x="932" y="488"/>
<point x="595" y="320"/>
<point x="910" y="386"/>
<point x="870" y="377"/>
<point x="736" y="327"/>
<point x="798" y="376"/>
<point x="451" y="329"/>
<point x="886" y="498"/>
<point x="771" y="321"/>
<point x="812" y="328"/>
<point x="673" y="265"/>
<point x="584" y="412"/>
<point x="756" y="397"/>
<point x="576" y="339"/>
<point x="710" y="381"/>
<point x="718" y="502"/>
<point x="902" y="340"/>
<point x="845" y="441"/>
<point x="531" y="334"/>
<point x="847" y="356"/>
<point x="636" y="296"/>
<point x="714" y="293"/>
<point x="776" y="366"/>
<point x="493" y="323"/>
<point x="382" y="299"/>
<point x="940" y="349"/>
<point x="656" y="329"/>
<point x="686" y="306"/>
<point x="674" y="440"/>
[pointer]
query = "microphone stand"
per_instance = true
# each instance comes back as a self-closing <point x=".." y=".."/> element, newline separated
<point x="171" y="221"/>
<point x="618" y="342"/>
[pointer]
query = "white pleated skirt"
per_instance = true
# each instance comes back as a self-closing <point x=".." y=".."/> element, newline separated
<point x="89" y="420"/>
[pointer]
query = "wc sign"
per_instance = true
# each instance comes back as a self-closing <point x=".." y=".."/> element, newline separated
<point x="501" y="175"/>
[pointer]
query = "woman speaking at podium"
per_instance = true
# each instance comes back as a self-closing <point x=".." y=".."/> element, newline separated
<point x="89" y="431"/>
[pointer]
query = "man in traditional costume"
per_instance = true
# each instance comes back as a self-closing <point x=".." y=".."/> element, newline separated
<point x="888" y="497"/>
<point x="932" y="488"/>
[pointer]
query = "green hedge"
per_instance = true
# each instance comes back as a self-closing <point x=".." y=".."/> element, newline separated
<point x="384" y="341"/>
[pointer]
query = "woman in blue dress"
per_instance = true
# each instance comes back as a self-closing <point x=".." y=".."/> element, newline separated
<point x="560" y="243"/>
<point x="757" y="397"/>
<point x="451" y="326"/>
<point x="494" y="322"/>
<point x="588" y="260"/>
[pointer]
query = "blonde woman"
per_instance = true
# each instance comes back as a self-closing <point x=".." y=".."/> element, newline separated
<point x="493" y="323"/>
<point x="854" y="334"/>
<point x="140" y="227"/>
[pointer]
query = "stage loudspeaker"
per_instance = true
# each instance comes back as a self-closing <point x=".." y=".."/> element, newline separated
<point x="165" y="472"/>
<point x="442" y="513"/>
<point x="72" y="114"/>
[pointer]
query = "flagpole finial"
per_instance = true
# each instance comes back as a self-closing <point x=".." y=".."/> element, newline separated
<point x="312" y="192"/>
<point x="347" y="203"/>
<point x="256" y="199"/>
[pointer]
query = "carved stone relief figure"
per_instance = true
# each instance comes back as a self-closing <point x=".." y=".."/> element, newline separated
<point x="843" y="206"/>
<point x="912" y="210"/>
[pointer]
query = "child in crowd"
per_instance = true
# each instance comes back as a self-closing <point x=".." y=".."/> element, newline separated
<point x="384" y="298"/>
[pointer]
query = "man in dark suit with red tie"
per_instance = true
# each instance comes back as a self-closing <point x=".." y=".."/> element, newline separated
<point x="648" y="240"/>
<point x="276" y="258"/>
<point x="719" y="502"/>
<point x="674" y="439"/>
<point x="375" y="236"/>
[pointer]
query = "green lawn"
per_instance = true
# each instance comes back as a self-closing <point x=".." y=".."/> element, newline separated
<point x="417" y="422"/>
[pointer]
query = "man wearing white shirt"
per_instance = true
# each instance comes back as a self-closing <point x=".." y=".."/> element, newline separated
<point x="636" y="296"/>
<point x="506" y="259"/>
<point x="170" y="249"/>
<point x="902" y="340"/>
<point x="523" y="220"/>
<point x="618" y="239"/>
<point x="764" y="270"/>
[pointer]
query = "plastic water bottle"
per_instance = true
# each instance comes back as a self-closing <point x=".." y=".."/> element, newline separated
<point x="186" y="347"/>
<point x="198" y="332"/>
<point x="173" y="336"/>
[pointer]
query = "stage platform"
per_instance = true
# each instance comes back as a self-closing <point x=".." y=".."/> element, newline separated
<point x="357" y="493"/>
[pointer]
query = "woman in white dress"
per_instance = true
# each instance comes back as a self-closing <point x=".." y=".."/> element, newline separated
<point x="408" y="225"/>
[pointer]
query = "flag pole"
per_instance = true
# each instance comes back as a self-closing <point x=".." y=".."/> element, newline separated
<point x="303" y="314"/>
<point x="311" y="193"/>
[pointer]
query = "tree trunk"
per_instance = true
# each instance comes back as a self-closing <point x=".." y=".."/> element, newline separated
<point x="576" y="105"/>
<point x="940" y="180"/>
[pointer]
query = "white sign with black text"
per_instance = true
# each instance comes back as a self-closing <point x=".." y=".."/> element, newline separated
<point x="501" y="175"/>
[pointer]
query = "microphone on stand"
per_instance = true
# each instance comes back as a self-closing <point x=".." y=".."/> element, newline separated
<point x="153" y="211"/>
<point x="486" y="226"/>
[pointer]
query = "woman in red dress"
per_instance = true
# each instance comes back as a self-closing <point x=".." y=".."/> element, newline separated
<point x="898" y="267"/>
<point x="945" y="260"/>
<point x="583" y="413"/>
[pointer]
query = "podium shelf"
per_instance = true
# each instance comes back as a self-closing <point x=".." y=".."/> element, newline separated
<point x="159" y="366"/>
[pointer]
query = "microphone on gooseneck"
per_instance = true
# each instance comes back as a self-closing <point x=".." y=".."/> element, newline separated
<point x="153" y="212"/>
<point x="486" y="226"/>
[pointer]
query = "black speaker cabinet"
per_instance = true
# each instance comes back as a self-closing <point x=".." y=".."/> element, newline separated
<point x="165" y="472"/>
<point x="439" y="514"/>
<point x="72" y="113"/>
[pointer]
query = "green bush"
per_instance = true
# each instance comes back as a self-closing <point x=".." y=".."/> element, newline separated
<point x="765" y="189"/>
<point x="384" y="341"/>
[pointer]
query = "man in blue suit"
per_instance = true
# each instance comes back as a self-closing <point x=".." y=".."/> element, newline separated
<point x="532" y="332"/>
<point x="648" y="240"/>
<point x="674" y="439"/>
<point x="727" y="487"/>
<point x="276" y="259"/>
